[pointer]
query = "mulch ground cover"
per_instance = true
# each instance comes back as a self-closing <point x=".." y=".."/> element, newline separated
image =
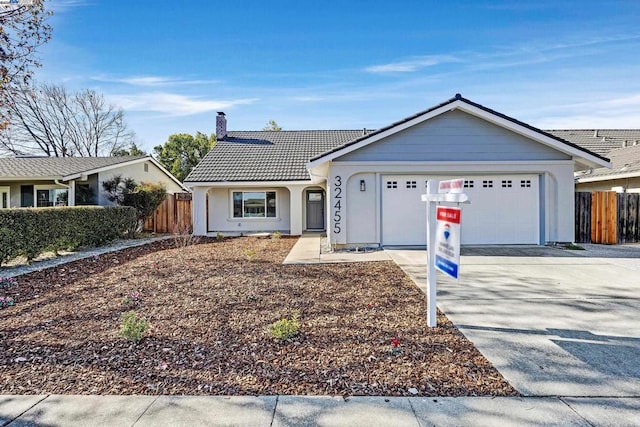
<point x="209" y="308"/>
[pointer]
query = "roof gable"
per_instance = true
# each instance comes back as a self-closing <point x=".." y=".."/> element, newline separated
<point x="459" y="103"/>
<point x="626" y="164"/>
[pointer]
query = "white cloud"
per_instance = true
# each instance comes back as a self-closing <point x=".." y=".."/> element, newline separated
<point x="412" y="65"/>
<point x="150" y="80"/>
<point x="173" y="104"/>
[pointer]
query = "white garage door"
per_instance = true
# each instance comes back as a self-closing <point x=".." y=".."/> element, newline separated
<point x="504" y="209"/>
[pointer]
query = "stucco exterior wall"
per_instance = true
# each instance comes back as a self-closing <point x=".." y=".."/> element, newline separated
<point x="221" y="218"/>
<point x="138" y="173"/>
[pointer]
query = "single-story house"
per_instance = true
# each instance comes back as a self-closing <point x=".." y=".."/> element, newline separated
<point x="67" y="181"/>
<point x="622" y="146"/>
<point x="364" y="187"/>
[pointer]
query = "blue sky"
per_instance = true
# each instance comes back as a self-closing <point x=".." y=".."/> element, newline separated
<point x="347" y="65"/>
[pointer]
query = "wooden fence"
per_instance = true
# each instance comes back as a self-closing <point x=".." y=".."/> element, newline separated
<point x="172" y="216"/>
<point x="607" y="217"/>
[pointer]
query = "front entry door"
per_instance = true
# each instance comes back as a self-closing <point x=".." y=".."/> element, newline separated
<point x="315" y="210"/>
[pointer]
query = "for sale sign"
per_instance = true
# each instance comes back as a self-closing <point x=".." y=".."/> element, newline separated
<point x="447" y="245"/>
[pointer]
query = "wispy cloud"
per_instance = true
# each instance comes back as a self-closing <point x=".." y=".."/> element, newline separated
<point x="173" y="104"/>
<point x="412" y="65"/>
<point x="151" y="80"/>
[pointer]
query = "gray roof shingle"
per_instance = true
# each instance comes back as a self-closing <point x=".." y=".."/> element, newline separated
<point x="267" y="155"/>
<point x="55" y="167"/>
<point x="624" y="160"/>
<point x="599" y="141"/>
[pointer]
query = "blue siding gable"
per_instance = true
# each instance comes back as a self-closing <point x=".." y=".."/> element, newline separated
<point x="455" y="136"/>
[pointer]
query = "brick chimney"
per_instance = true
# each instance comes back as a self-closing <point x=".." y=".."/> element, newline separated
<point x="221" y="126"/>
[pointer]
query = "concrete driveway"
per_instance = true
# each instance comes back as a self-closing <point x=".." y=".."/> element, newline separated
<point x="553" y="322"/>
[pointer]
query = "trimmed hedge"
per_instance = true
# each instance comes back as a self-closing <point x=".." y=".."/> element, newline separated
<point x="30" y="232"/>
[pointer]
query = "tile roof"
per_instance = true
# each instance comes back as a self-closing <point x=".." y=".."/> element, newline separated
<point x="600" y="141"/>
<point x="624" y="160"/>
<point x="55" y="167"/>
<point x="267" y="155"/>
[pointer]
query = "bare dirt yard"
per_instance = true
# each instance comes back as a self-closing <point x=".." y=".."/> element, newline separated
<point x="209" y="308"/>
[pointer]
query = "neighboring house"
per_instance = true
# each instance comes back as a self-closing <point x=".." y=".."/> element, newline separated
<point x="60" y="181"/>
<point x="622" y="146"/>
<point x="364" y="187"/>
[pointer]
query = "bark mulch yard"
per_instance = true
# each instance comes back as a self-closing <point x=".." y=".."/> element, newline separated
<point x="209" y="308"/>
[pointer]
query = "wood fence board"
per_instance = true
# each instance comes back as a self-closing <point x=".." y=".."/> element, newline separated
<point x="173" y="215"/>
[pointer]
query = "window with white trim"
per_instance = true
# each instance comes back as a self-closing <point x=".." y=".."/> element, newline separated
<point x="47" y="197"/>
<point x="4" y="197"/>
<point x="254" y="204"/>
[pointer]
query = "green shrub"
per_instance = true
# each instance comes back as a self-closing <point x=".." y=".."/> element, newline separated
<point x="132" y="327"/>
<point x="285" y="329"/>
<point x="30" y="232"/>
<point x="276" y="235"/>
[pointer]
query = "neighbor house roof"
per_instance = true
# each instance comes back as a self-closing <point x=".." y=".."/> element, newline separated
<point x="600" y="141"/>
<point x="625" y="161"/>
<point x="55" y="167"/>
<point x="267" y="155"/>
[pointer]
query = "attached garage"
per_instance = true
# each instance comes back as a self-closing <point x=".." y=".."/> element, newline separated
<point x="504" y="209"/>
<point x="519" y="179"/>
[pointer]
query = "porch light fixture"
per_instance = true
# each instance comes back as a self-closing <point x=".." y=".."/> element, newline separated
<point x="363" y="186"/>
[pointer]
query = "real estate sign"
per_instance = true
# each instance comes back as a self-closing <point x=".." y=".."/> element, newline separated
<point x="447" y="245"/>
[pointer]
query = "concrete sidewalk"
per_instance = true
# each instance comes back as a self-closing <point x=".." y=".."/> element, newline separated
<point x="308" y="250"/>
<point x="58" y="410"/>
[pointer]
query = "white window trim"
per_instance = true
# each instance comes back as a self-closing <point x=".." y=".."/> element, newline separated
<point x="6" y="189"/>
<point x="256" y="190"/>
<point x="48" y="187"/>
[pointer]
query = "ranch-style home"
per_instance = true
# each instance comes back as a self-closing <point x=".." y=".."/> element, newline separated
<point x="69" y="181"/>
<point x="364" y="187"/>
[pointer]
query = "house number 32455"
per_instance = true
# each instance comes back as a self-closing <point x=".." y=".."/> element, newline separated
<point x="337" y="204"/>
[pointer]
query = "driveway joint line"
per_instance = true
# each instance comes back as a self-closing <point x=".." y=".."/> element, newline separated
<point x="273" y="414"/>
<point x="25" y="411"/>
<point x="414" y="412"/>
<point x="145" y="411"/>
<point x="575" y="412"/>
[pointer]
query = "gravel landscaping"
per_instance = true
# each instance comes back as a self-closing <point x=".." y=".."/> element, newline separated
<point x="209" y="309"/>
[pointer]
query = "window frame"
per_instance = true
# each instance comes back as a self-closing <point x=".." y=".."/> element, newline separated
<point x="5" y="190"/>
<point x="49" y="188"/>
<point x="266" y="208"/>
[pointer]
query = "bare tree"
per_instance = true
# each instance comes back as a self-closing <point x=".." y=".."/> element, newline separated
<point x="48" y="119"/>
<point x="22" y="30"/>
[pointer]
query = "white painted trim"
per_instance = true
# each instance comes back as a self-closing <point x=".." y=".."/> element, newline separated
<point x="456" y="163"/>
<point x="635" y="174"/>
<point x="6" y="189"/>
<point x="475" y="111"/>
<point x="232" y="218"/>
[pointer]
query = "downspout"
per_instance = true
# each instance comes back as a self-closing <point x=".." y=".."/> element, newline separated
<point x="71" y="194"/>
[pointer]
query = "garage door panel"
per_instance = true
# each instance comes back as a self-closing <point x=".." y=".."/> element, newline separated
<point x="504" y="209"/>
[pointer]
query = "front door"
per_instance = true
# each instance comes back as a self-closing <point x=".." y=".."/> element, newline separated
<point x="315" y="210"/>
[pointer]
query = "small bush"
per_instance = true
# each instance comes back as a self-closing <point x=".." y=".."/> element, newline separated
<point x="132" y="327"/>
<point x="132" y="299"/>
<point x="285" y="329"/>
<point x="250" y="254"/>
<point x="276" y="235"/>
<point x="219" y="237"/>
<point x="6" y="302"/>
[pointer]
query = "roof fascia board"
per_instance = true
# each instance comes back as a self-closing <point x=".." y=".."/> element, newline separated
<point x="30" y="178"/>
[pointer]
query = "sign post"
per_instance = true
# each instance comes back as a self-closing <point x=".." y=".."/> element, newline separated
<point x="443" y="243"/>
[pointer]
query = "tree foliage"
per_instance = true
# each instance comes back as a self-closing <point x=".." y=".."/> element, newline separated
<point x="23" y="29"/>
<point x="51" y="120"/>
<point x="183" y="151"/>
<point x="272" y="125"/>
<point x="144" y="197"/>
<point x="133" y="150"/>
